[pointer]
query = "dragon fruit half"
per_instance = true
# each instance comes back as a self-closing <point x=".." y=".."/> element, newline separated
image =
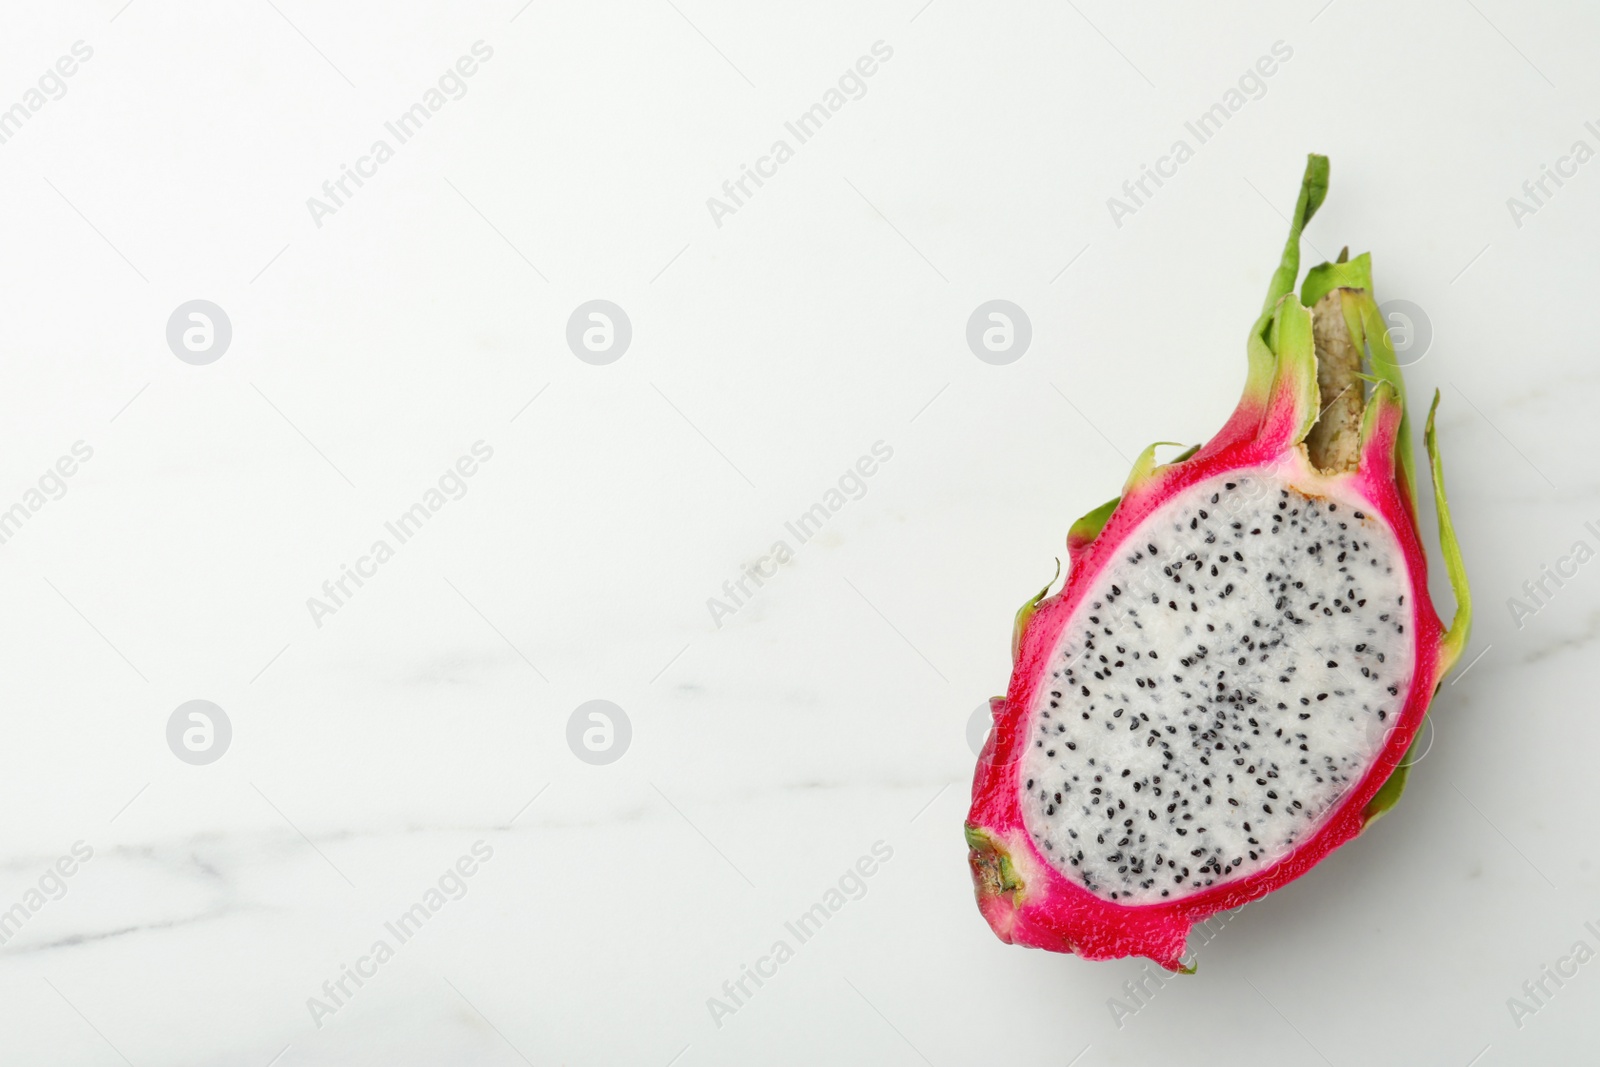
<point x="1226" y="686"/>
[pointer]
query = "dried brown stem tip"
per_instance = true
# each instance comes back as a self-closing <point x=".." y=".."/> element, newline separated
<point x="1334" y="442"/>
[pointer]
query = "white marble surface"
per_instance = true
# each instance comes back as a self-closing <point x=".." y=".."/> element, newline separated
<point x="429" y="713"/>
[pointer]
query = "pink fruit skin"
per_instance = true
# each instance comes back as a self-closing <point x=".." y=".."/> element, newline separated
<point x="1052" y="913"/>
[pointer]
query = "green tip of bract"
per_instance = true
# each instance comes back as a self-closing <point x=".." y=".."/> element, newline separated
<point x="1262" y="355"/>
<point x="1088" y="528"/>
<point x="1145" y="465"/>
<point x="1313" y="189"/>
<point x="1383" y="397"/>
<point x="1388" y="795"/>
<point x="1455" y="639"/>
<point x="1025" y="613"/>
<point x="1324" y="278"/>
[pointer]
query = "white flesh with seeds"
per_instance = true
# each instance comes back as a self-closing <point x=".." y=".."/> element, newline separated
<point x="1226" y="680"/>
